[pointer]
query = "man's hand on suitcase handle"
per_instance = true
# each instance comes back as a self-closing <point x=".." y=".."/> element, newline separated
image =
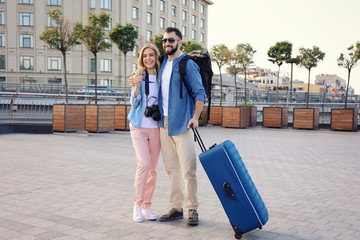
<point x="193" y="123"/>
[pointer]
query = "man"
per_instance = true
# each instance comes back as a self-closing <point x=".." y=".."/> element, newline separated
<point x="177" y="141"/>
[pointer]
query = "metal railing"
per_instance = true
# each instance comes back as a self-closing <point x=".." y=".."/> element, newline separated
<point x="34" y="102"/>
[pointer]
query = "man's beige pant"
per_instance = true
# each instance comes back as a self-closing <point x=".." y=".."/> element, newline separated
<point x="179" y="155"/>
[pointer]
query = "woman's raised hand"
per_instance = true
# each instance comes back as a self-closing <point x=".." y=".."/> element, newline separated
<point x="135" y="80"/>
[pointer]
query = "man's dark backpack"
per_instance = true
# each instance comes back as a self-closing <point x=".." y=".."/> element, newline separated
<point x="202" y="59"/>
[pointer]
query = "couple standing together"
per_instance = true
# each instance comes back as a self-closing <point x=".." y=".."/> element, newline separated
<point x="165" y="127"/>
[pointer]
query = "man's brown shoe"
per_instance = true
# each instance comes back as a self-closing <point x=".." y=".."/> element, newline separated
<point x="172" y="215"/>
<point x="193" y="218"/>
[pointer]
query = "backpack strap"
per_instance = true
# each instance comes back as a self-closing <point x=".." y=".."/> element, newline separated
<point x="182" y="66"/>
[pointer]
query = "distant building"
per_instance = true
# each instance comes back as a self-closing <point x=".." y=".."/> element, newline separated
<point x="332" y="83"/>
<point x="24" y="59"/>
<point x="266" y="78"/>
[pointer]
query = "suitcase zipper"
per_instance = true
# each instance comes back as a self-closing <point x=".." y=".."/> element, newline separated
<point x="242" y="186"/>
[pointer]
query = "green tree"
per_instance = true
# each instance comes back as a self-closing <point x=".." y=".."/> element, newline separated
<point x="220" y="54"/>
<point x="63" y="36"/>
<point x="309" y="59"/>
<point x="124" y="37"/>
<point x="233" y="69"/>
<point x="93" y="37"/>
<point x="244" y="54"/>
<point x="278" y="54"/>
<point x="349" y="63"/>
<point x="158" y="43"/>
<point x="188" y="46"/>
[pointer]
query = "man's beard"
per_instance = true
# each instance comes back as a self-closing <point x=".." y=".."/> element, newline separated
<point x="173" y="50"/>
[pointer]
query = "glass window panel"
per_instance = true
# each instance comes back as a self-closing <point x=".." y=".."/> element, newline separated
<point x="2" y="40"/>
<point x="2" y="18"/>
<point x="92" y="4"/>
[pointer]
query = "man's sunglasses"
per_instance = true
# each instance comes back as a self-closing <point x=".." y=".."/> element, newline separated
<point x="170" y="40"/>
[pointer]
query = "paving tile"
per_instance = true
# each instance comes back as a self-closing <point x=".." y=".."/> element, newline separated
<point x="81" y="187"/>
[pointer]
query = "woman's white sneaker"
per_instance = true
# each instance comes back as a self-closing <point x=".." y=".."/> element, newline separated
<point x="137" y="215"/>
<point x="148" y="213"/>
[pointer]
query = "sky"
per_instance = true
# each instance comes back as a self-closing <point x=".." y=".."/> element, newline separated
<point x="332" y="25"/>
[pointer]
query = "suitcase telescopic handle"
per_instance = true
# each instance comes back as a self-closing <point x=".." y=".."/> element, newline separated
<point x="228" y="191"/>
<point x="198" y="138"/>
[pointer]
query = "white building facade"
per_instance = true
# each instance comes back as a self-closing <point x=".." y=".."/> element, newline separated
<point x="25" y="59"/>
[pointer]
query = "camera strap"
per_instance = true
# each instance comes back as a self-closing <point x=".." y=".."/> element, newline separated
<point x="147" y="88"/>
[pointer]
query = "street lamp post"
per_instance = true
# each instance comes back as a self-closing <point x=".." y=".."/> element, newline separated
<point x="292" y="61"/>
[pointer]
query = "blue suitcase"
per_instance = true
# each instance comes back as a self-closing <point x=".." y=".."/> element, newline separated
<point x="234" y="187"/>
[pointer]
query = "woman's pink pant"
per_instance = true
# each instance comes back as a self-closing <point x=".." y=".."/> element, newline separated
<point x="147" y="147"/>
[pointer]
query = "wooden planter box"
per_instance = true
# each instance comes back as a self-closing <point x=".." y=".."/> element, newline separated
<point x="215" y="115"/>
<point x="253" y="118"/>
<point x="344" y="119"/>
<point x="121" y="113"/>
<point x="306" y="118"/>
<point x="203" y="121"/>
<point x="100" y="118"/>
<point x="275" y="117"/>
<point x="236" y="117"/>
<point x="68" y="118"/>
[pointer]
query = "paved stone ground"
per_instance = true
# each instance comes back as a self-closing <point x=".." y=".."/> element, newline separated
<point x="80" y="186"/>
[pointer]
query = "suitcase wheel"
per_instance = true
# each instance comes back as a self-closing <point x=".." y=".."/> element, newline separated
<point x="260" y="227"/>
<point x="238" y="236"/>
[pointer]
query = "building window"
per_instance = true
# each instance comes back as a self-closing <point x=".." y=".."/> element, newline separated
<point x="105" y="4"/>
<point x="2" y="18"/>
<point x="173" y="24"/>
<point x="26" y="41"/>
<point x="92" y="63"/>
<point x="202" y="38"/>
<point x="202" y="9"/>
<point x="202" y="23"/>
<point x="148" y="35"/>
<point x="26" y="63"/>
<point x="162" y="6"/>
<point x="135" y="13"/>
<point x="26" y="2"/>
<point x="2" y="61"/>
<point x="193" y="34"/>
<point x="136" y="49"/>
<point x="162" y="22"/>
<point x="2" y="79"/>
<point x="2" y="39"/>
<point x="173" y="11"/>
<point x="27" y="80"/>
<point x="193" y="19"/>
<point x="184" y="2"/>
<point x="184" y="15"/>
<point x="149" y="2"/>
<point x="134" y="67"/>
<point x="51" y="22"/>
<point x="54" y="2"/>
<point x="184" y="31"/>
<point x="105" y="65"/>
<point x="54" y="63"/>
<point x="109" y="27"/>
<point x="193" y="4"/>
<point x="54" y="81"/>
<point x="1" y="1"/>
<point x="92" y="3"/>
<point x="149" y="18"/>
<point x="107" y="40"/>
<point x="26" y="19"/>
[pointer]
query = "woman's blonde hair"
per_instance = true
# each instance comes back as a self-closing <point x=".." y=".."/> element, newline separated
<point x="140" y="63"/>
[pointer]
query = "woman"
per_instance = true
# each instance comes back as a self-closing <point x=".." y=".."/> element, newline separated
<point x="144" y="130"/>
